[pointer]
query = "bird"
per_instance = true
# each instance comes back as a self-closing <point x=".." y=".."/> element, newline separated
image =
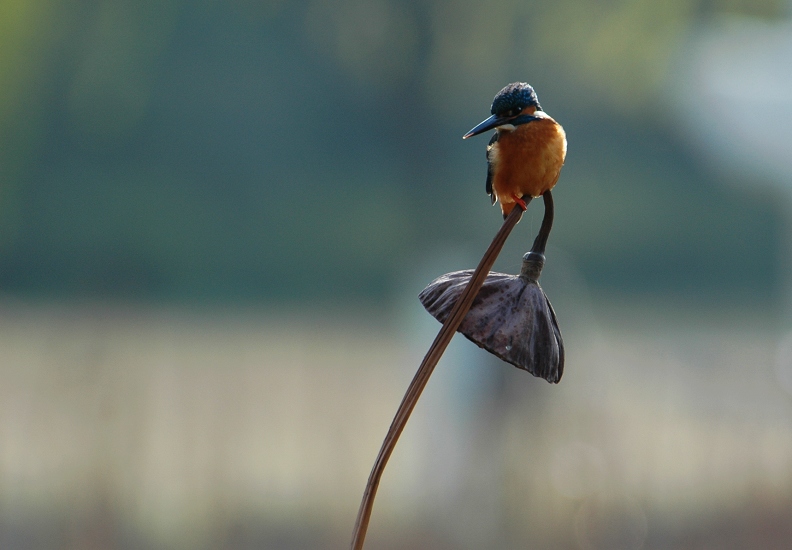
<point x="527" y="151"/>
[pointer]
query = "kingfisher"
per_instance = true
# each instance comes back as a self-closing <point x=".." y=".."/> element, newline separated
<point x="527" y="151"/>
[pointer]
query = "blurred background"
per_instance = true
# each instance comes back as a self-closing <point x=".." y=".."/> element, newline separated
<point x="215" y="218"/>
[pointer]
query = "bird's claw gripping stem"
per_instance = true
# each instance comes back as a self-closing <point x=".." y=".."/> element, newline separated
<point x="520" y="202"/>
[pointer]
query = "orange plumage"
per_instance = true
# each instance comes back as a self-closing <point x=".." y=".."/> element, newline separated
<point x="526" y="161"/>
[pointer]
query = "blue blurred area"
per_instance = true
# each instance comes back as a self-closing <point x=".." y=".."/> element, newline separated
<point x="217" y="151"/>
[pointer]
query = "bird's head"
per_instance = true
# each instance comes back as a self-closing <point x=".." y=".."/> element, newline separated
<point x="513" y="105"/>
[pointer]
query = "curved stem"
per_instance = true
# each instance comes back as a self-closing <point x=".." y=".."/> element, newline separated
<point x="547" y="224"/>
<point x="428" y="364"/>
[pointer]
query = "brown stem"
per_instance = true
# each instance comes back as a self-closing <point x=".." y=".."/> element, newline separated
<point x="547" y="224"/>
<point x="428" y="364"/>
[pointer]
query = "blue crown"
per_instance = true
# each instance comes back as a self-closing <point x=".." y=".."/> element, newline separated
<point x="516" y="95"/>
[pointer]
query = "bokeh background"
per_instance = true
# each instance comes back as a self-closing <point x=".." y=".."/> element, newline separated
<point x="215" y="218"/>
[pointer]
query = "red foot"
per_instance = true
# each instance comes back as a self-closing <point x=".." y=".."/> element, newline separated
<point x="521" y="202"/>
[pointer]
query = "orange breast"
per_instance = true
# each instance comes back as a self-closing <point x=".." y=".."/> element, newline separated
<point x="527" y="160"/>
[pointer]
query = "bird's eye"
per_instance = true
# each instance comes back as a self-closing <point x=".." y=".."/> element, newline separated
<point x="514" y="112"/>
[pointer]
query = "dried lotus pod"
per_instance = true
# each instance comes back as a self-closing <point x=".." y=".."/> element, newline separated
<point x="511" y="317"/>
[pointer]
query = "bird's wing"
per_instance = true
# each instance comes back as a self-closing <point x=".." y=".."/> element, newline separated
<point x="490" y="192"/>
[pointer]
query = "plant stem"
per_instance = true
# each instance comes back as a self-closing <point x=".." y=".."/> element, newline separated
<point x="547" y="224"/>
<point x="428" y="364"/>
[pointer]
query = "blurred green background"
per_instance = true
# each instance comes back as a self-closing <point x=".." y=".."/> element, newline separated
<point x="215" y="218"/>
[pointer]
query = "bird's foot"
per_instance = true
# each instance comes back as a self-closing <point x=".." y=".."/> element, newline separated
<point x="520" y="202"/>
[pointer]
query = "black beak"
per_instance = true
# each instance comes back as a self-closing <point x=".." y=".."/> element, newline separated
<point x="492" y="122"/>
